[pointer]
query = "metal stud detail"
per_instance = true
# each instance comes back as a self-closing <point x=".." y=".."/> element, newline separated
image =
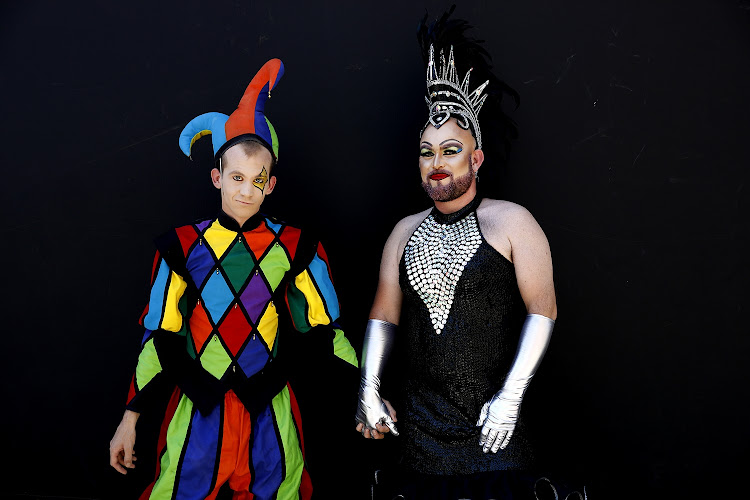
<point x="435" y="257"/>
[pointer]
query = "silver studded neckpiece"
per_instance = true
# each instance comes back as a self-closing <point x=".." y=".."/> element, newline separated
<point x="435" y="257"/>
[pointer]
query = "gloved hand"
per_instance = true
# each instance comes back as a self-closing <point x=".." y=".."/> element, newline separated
<point x="498" y="418"/>
<point x="372" y="410"/>
<point x="378" y="342"/>
<point x="499" y="415"/>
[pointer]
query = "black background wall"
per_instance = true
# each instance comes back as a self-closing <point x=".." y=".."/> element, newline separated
<point x="633" y="157"/>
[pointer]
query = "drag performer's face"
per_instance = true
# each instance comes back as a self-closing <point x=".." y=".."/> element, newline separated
<point x="244" y="182"/>
<point x="448" y="161"/>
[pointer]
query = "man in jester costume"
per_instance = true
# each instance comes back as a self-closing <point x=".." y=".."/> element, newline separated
<point x="220" y="289"/>
<point x="465" y="294"/>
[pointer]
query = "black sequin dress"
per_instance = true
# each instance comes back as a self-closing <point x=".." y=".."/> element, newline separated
<point x="462" y="317"/>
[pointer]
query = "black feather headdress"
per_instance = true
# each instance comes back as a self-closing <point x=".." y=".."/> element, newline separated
<point x="447" y="37"/>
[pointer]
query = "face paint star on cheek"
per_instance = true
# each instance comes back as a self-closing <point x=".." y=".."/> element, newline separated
<point x="261" y="180"/>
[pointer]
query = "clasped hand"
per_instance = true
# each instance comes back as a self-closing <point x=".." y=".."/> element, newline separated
<point x="375" y="416"/>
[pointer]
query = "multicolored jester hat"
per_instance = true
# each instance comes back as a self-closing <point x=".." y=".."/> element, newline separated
<point x="247" y="121"/>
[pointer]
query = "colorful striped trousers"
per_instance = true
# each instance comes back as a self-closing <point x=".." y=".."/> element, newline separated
<point x="261" y="458"/>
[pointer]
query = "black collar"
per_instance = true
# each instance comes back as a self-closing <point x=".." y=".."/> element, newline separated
<point x="231" y="224"/>
<point x="459" y="214"/>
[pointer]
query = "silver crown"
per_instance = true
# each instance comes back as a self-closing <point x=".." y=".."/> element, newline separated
<point x="452" y="99"/>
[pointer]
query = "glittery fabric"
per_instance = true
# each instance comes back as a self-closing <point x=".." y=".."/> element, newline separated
<point x="453" y="370"/>
<point x="436" y="258"/>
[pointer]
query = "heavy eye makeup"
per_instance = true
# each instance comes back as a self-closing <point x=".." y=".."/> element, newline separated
<point x="425" y="151"/>
<point x="448" y="150"/>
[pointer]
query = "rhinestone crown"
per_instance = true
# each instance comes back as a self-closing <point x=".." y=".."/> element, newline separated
<point x="447" y="98"/>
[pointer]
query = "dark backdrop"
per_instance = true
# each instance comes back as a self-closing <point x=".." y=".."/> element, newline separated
<point x="632" y="156"/>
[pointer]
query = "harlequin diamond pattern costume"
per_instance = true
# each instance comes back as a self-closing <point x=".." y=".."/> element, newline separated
<point x="212" y="329"/>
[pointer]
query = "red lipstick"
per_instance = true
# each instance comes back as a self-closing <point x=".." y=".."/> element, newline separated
<point x="438" y="176"/>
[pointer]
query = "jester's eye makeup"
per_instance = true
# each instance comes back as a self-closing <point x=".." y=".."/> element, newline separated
<point x="452" y="150"/>
<point x="426" y="153"/>
<point x="261" y="180"/>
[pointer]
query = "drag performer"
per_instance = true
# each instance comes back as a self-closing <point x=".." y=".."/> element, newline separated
<point x="466" y="292"/>
<point x="220" y="287"/>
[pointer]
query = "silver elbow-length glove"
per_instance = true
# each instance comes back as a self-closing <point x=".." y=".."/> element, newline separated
<point x="499" y="415"/>
<point x="378" y="343"/>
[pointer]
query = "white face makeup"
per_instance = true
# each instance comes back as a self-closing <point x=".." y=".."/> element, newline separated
<point x="244" y="182"/>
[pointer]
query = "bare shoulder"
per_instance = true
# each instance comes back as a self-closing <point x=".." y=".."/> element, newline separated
<point x="515" y="233"/>
<point x="403" y="230"/>
<point x="505" y="211"/>
<point x="510" y="216"/>
<point x="394" y="246"/>
<point x="505" y="224"/>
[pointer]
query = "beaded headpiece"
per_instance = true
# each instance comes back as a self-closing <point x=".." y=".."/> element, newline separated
<point x="447" y="98"/>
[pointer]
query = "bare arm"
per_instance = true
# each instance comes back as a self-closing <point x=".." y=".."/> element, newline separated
<point x="121" y="454"/>
<point x="388" y="297"/>
<point x="517" y="233"/>
<point x="384" y="316"/>
<point x="513" y="232"/>
<point x="533" y="262"/>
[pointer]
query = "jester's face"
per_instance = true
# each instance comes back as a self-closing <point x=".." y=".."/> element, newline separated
<point x="244" y="182"/>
